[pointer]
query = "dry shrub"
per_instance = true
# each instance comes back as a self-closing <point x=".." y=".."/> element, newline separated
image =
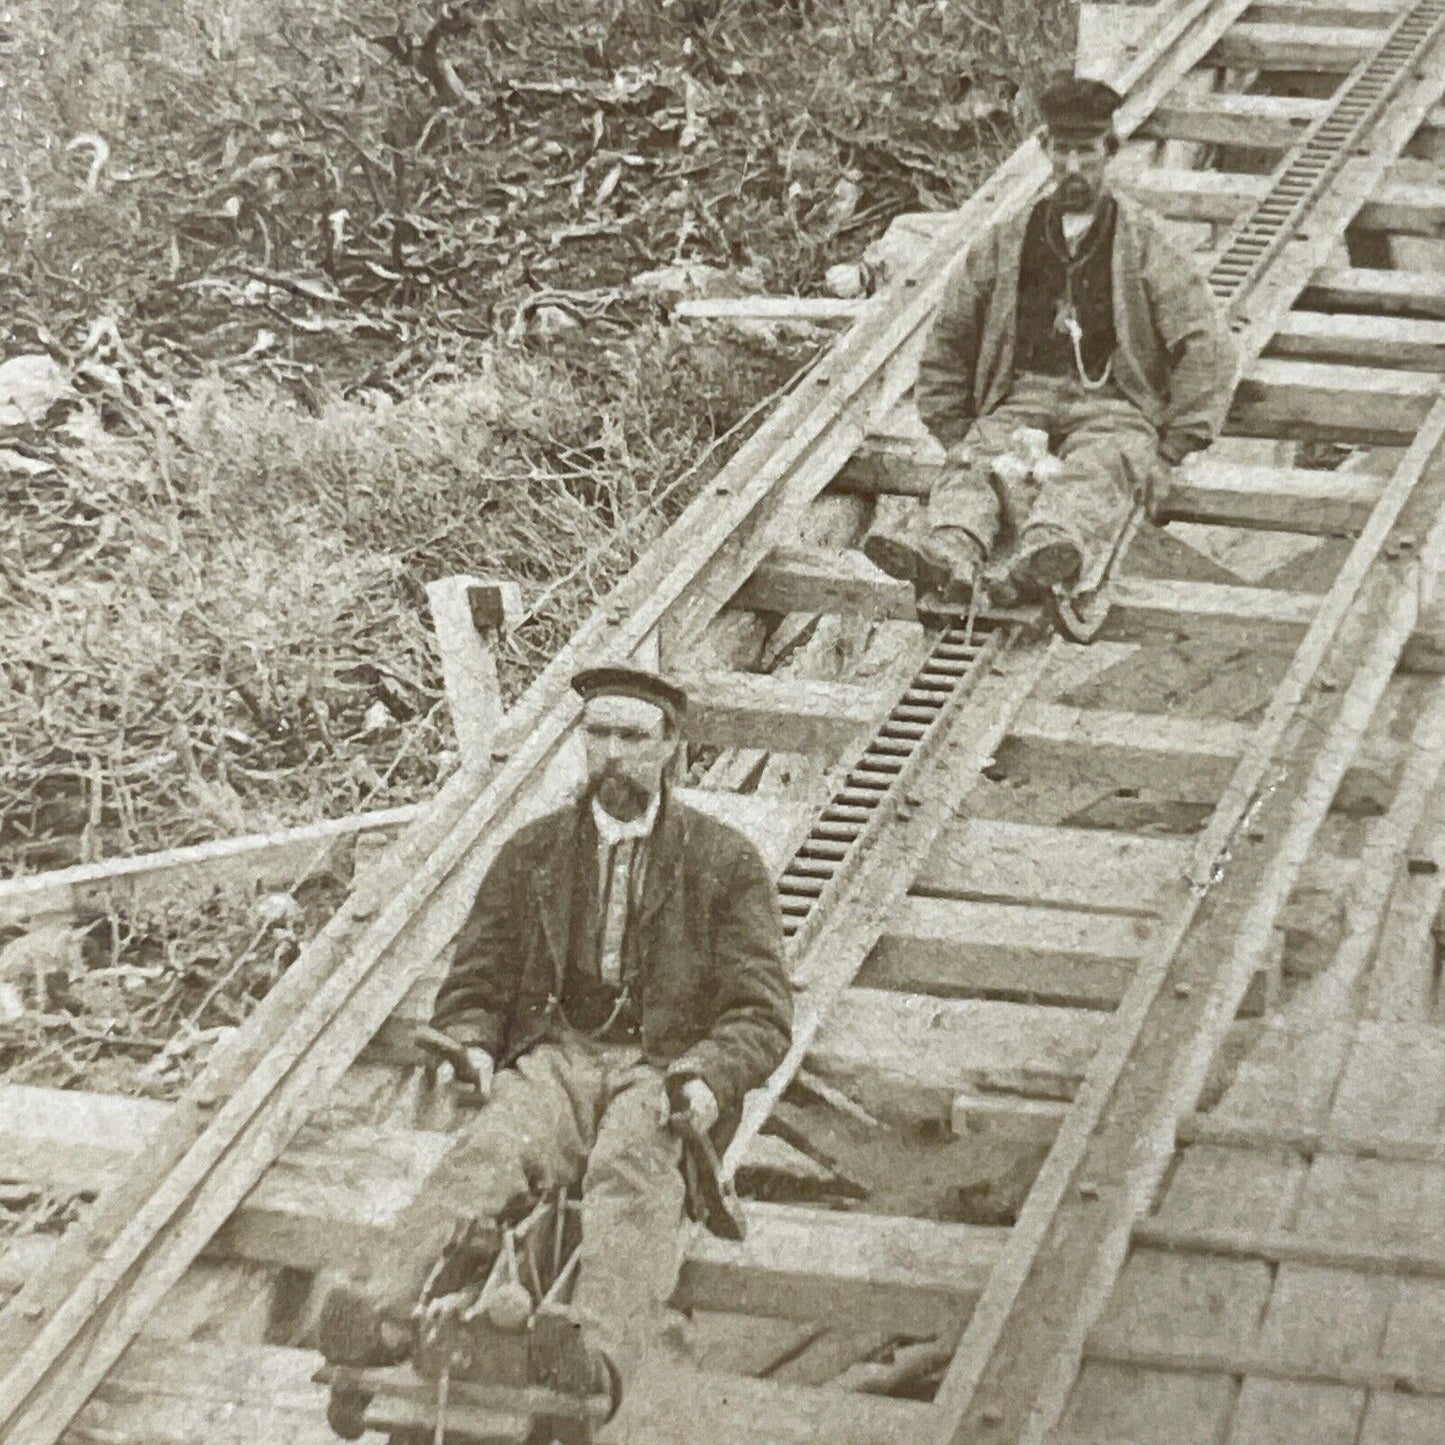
<point x="239" y="640"/>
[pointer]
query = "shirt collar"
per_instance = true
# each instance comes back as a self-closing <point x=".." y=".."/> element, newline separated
<point x="612" y="831"/>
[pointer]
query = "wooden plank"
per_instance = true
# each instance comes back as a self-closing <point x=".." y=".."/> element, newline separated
<point x="1259" y="617"/>
<point x="1285" y="499"/>
<point x="1228" y="1358"/>
<point x="1185" y="759"/>
<point x="1182" y="759"/>
<point x="805" y="579"/>
<point x="1018" y="1357"/>
<point x="910" y="1054"/>
<point x="469" y="618"/>
<point x="1232" y="1133"/>
<point x="950" y="947"/>
<point x="1116" y="1405"/>
<point x="782" y="714"/>
<point x="1405" y="343"/>
<point x="674" y="1404"/>
<point x="170" y="1393"/>
<point x="1084" y="868"/>
<point x="204" y="1394"/>
<point x="1233" y="119"/>
<point x="329" y="1199"/>
<point x="1286" y="1246"/>
<point x="1266" y="46"/>
<point x="1400" y="1420"/>
<point x="1358" y="288"/>
<point x="1362" y="13"/>
<point x="767" y="308"/>
<point x="274" y="859"/>
<point x="1305" y="400"/>
<point x="908" y="1276"/>
<point x="1397" y="205"/>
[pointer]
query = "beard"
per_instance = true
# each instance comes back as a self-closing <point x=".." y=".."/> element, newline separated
<point x="1076" y="194"/>
<point x="621" y="796"/>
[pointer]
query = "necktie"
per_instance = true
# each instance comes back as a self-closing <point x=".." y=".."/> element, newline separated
<point x="616" y="896"/>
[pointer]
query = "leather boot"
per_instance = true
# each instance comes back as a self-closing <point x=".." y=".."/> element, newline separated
<point x="1048" y="557"/>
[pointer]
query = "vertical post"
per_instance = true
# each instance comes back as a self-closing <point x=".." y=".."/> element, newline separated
<point x="469" y="618"/>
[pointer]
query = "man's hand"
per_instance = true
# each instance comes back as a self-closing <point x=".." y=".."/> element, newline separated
<point x="478" y="1072"/>
<point x="700" y="1102"/>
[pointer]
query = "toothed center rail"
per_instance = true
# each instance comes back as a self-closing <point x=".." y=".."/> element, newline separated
<point x="1318" y="158"/>
<point x="883" y="770"/>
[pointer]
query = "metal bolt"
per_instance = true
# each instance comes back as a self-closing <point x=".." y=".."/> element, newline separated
<point x="1182" y="990"/>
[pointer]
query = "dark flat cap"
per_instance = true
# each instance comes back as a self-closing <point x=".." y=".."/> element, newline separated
<point x="614" y="680"/>
<point x="1071" y="106"/>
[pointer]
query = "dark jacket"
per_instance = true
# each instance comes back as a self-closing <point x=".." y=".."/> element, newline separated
<point x="708" y="951"/>
<point x="1174" y="358"/>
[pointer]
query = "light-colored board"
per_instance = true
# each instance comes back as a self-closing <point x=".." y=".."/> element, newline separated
<point x="676" y="1404"/>
<point x="1400" y="1420"/>
<point x="1362" y="14"/>
<point x="1230" y="118"/>
<point x="783" y="714"/>
<point x="331" y="1202"/>
<point x="1262" y="617"/>
<point x="952" y="948"/>
<point x="1361" y="288"/>
<point x="913" y="1276"/>
<point x="1326" y="1320"/>
<point x="1307" y="400"/>
<point x="1182" y="1305"/>
<point x="1296" y="1414"/>
<point x="906" y="1055"/>
<point x="1119" y="1405"/>
<point x="803" y="579"/>
<point x="1284" y="499"/>
<point x="1266" y="46"/>
<point x="1406" y="343"/>
<point x="1402" y="206"/>
<point x="257" y="860"/>
<point x="1055" y="867"/>
<point x="1183" y="759"/>
<point x="164" y="1393"/>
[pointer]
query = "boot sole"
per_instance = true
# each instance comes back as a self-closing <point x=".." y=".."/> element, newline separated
<point x="889" y="555"/>
<point x="1056" y="564"/>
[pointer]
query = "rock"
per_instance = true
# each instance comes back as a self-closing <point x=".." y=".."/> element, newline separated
<point x="29" y="386"/>
<point x="278" y="908"/>
<point x="847" y="280"/>
<point x="377" y="719"/>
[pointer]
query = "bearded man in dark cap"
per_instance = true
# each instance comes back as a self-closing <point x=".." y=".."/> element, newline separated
<point x="622" y="962"/>
<point x="1079" y="318"/>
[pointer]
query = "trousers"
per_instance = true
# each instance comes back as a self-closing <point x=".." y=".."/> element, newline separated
<point x="570" y="1112"/>
<point x="1109" y="452"/>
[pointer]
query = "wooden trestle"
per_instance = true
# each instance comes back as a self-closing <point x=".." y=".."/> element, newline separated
<point x="1159" y="910"/>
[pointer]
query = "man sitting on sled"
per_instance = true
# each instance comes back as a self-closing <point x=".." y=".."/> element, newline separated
<point x="1076" y="318"/>
<point x="620" y="980"/>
